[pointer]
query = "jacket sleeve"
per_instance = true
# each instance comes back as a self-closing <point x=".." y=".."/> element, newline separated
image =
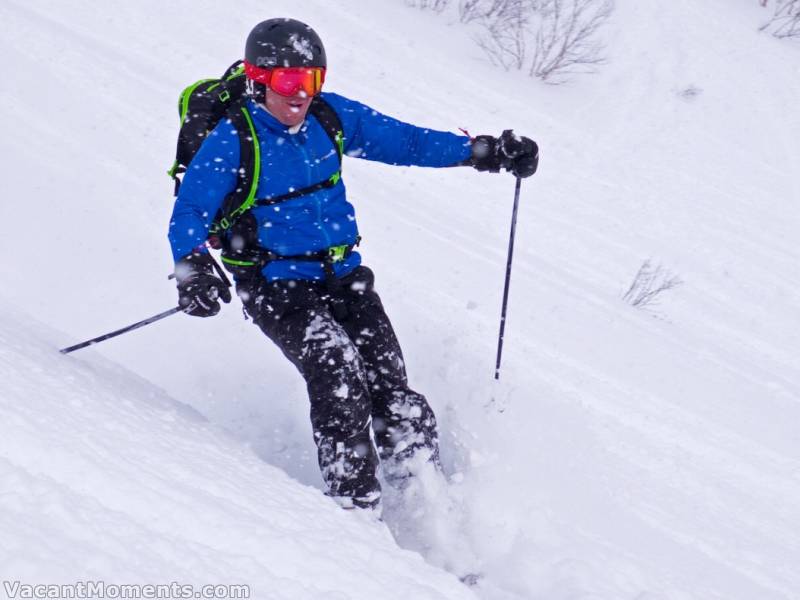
<point x="209" y="178"/>
<point x="373" y="136"/>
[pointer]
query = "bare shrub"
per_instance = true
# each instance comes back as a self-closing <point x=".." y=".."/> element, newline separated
<point x="785" y="22"/>
<point x="648" y="283"/>
<point x="566" y="38"/>
<point x="470" y="10"/>
<point x="551" y="39"/>
<point x="506" y="32"/>
<point x="434" y="5"/>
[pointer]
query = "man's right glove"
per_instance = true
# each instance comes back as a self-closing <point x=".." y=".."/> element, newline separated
<point x="520" y="155"/>
<point x="199" y="289"/>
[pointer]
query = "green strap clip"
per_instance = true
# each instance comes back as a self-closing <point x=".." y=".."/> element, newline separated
<point x="337" y="253"/>
<point x="340" y="144"/>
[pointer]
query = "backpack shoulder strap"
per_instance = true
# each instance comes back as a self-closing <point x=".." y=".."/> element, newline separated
<point x="242" y="198"/>
<point x="330" y="122"/>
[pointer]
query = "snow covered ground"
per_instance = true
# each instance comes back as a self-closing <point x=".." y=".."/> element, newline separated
<point x="638" y="454"/>
<point x="106" y="478"/>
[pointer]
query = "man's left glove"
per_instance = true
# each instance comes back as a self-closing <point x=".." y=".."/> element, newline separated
<point x="199" y="289"/>
<point x="520" y="155"/>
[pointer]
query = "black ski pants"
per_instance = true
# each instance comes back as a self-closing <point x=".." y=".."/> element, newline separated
<point x="343" y="344"/>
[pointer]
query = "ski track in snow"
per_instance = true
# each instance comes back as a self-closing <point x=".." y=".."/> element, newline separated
<point x="647" y="455"/>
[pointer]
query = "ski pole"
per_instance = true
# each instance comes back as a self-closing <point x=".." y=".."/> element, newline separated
<point x="508" y="279"/>
<point x="102" y="338"/>
<point x="147" y="321"/>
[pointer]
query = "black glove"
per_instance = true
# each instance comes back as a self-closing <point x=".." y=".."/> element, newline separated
<point x="520" y="155"/>
<point x="199" y="289"/>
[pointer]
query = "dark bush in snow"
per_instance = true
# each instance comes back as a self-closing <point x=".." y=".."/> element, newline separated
<point x="550" y="39"/>
<point x="785" y="21"/>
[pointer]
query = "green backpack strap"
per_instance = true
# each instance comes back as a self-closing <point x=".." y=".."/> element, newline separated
<point x="242" y="198"/>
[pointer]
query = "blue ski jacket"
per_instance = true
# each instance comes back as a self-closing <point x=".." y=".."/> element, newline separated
<point x="290" y="161"/>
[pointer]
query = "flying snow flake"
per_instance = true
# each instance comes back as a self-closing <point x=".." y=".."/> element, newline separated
<point x="302" y="46"/>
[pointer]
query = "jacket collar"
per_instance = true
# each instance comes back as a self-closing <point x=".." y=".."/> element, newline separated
<point x="264" y="119"/>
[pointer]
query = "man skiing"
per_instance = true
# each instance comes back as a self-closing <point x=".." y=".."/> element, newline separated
<point x="291" y="251"/>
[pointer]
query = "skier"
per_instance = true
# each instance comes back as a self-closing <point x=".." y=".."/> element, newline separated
<point x="306" y="288"/>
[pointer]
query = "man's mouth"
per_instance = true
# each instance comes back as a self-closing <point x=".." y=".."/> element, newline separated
<point x="296" y="106"/>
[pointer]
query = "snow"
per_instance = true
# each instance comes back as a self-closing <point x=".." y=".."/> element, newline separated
<point x="106" y="478"/>
<point x="624" y="453"/>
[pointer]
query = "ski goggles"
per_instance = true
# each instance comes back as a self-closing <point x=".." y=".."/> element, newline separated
<point x="288" y="81"/>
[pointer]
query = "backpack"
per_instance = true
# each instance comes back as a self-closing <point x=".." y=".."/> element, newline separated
<point x="204" y="104"/>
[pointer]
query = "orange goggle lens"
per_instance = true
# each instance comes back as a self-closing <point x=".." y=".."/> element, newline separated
<point x="288" y="81"/>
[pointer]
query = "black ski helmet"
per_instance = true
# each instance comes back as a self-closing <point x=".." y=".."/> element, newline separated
<point x="284" y="43"/>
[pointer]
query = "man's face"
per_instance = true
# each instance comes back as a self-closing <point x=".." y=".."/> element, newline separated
<point x="289" y="110"/>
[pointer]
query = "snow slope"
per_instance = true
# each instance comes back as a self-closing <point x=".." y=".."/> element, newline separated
<point x="106" y="478"/>
<point x="625" y="453"/>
